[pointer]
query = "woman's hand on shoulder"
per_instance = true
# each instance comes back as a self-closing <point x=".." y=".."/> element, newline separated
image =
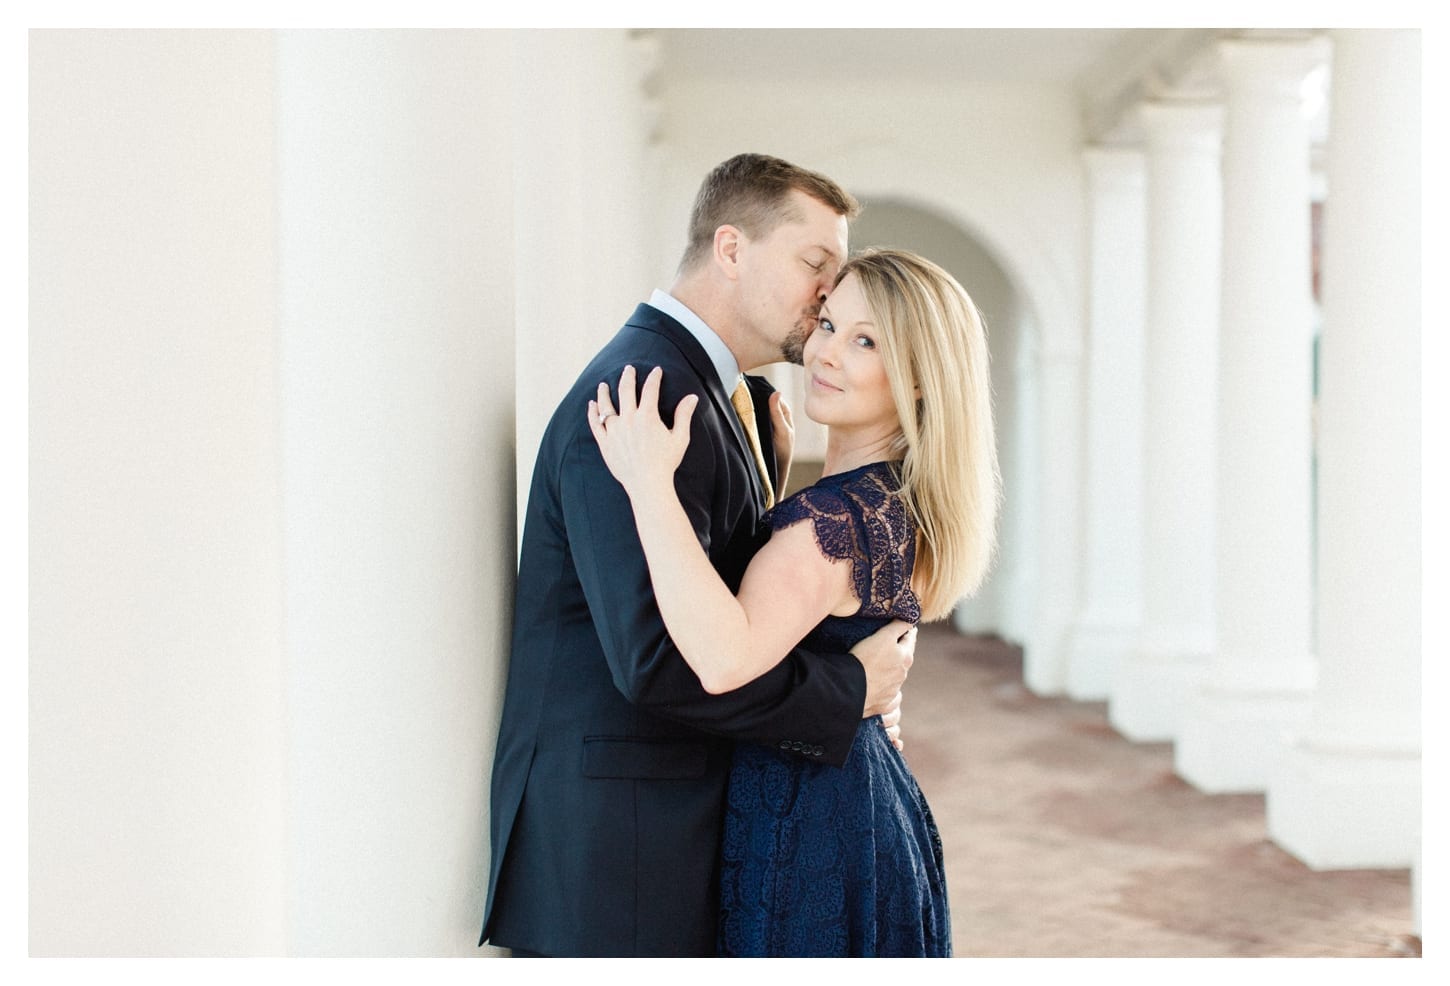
<point x="639" y="450"/>
<point x="782" y="430"/>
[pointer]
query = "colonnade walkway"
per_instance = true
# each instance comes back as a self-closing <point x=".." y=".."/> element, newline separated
<point x="1064" y="839"/>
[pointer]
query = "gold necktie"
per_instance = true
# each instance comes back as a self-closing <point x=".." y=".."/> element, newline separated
<point x="745" y="411"/>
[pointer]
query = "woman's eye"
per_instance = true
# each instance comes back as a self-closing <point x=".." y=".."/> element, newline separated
<point x="866" y="342"/>
<point x="825" y="323"/>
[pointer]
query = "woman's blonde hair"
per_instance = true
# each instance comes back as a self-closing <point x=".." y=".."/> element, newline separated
<point x="934" y="346"/>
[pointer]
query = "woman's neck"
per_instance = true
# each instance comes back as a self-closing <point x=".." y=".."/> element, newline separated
<point x="847" y="451"/>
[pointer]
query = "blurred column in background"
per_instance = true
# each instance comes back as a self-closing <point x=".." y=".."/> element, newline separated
<point x="1347" y="794"/>
<point x="1184" y="227"/>
<point x="1262" y="673"/>
<point x="1059" y="373"/>
<point x="1110" y="587"/>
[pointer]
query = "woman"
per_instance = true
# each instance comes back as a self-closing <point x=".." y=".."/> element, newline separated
<point x="820" y="860"/>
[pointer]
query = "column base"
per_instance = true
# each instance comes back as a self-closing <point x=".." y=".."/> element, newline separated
<point x="1228" y="742"/>
<point x="1415" y="885"/>
<point x="1150" y="693"/>
<point x="971" y="619"/>
<point x="1346" y="809"/>
<point x="1044" y="667"/>
<point x="1336" y="810"/>
<point x="1094" y="654"/>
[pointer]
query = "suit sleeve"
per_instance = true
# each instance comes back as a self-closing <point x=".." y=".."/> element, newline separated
<point x="810" y="703"/>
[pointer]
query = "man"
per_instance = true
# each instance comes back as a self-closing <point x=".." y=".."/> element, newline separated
<point x="610" y="773"/>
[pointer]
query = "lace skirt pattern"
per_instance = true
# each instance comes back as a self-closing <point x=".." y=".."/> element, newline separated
<point x="828" y="861"/>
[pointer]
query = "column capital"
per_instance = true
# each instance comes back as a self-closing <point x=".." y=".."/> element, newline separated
<point x="1270" y="65"/>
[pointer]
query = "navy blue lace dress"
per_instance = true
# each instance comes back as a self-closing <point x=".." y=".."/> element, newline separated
<point x="838" y="861"/>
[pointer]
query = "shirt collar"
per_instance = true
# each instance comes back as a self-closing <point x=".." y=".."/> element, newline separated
<point x="720" y="355"/>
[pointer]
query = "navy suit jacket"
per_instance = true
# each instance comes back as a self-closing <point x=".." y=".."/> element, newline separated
<point x="610" y="771"/>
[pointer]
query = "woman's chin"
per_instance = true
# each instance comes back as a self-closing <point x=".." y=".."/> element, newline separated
<point x="813" y="410"/>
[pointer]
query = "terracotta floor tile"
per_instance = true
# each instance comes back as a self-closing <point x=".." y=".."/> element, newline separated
<point x="1064" y="839"/>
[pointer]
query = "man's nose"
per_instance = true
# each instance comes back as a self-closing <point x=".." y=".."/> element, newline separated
<point x="824" y="282"/>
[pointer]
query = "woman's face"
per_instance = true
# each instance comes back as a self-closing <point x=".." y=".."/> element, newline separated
<point x="846" y="383"/>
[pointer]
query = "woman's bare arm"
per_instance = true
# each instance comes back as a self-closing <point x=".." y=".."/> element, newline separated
<point x="789" y="587"/>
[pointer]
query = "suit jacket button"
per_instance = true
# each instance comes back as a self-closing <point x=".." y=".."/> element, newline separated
<point x="817" y="751"/>
<point x="785" y="744"/>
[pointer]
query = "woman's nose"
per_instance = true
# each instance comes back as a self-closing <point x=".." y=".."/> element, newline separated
<point x="829" y="352"/>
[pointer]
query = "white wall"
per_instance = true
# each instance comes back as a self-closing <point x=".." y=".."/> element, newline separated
<point x="156" y="662"/>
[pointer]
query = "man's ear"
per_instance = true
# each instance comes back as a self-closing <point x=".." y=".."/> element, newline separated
<point x="728" y="242"/>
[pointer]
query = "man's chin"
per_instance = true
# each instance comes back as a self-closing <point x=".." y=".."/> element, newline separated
<point x="793" y="349"/>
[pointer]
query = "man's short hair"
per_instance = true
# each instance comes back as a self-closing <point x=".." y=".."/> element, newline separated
<point x="752" y="192"/>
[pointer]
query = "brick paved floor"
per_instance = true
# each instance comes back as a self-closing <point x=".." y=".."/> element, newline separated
<point x="1063" y="839"/>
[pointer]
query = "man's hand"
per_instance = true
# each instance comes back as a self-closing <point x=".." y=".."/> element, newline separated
<point x="891" y="722"/>
<point x="886" y="655"/>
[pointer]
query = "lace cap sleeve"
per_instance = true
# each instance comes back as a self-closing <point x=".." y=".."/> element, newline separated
<point x="864" y="522"/>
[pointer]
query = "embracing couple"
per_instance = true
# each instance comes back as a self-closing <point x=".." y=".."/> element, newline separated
<point x="699" y="753"/>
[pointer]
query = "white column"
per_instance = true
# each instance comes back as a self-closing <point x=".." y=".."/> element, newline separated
<point x="1262" y="672"/>
<point x="1015" y="580"/>
<point x="580" y="125"/>
<point x="1044" y="658"/>
<point x="1347" y="794"/>
<point x="1110" y="585"/>
<point x="1180" y="361"/>
<point x="397" y="332"/>
<point x="551" y="335"/>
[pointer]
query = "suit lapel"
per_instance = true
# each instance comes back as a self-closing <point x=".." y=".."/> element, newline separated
<point x="651" y="319"/>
